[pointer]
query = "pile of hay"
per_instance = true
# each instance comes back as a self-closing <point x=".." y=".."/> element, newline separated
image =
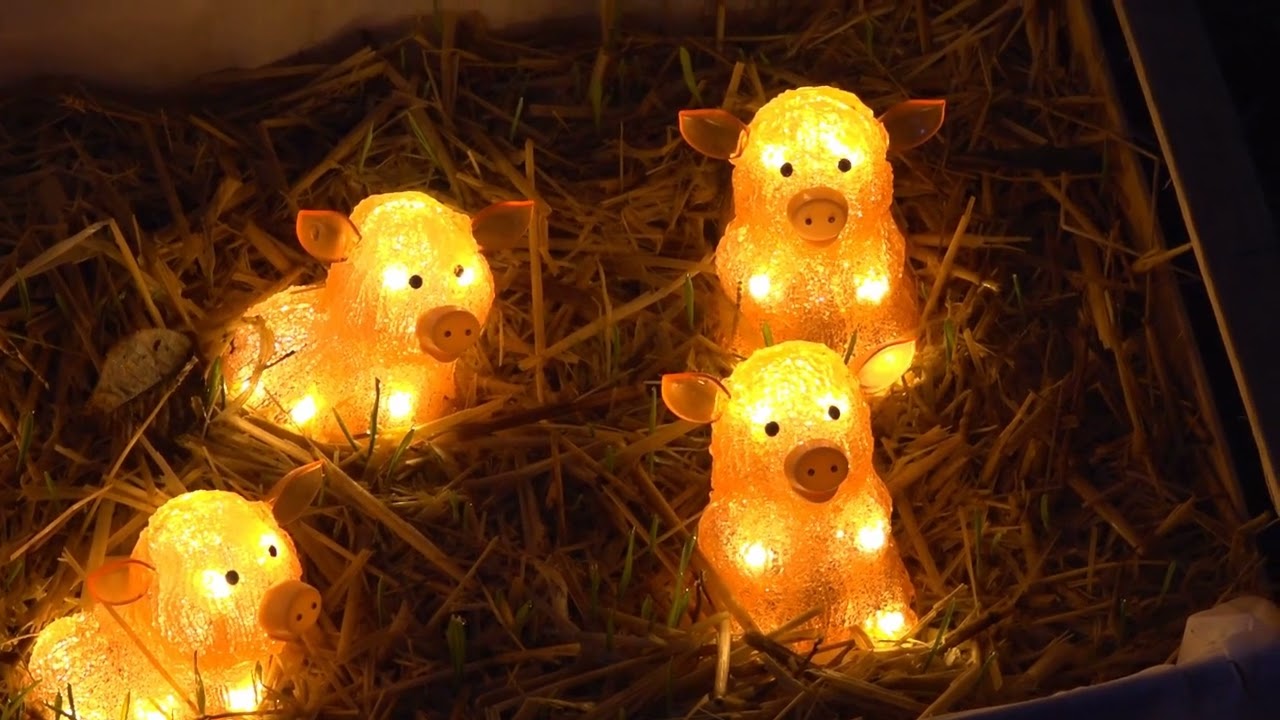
<point x="1057" y="502"/>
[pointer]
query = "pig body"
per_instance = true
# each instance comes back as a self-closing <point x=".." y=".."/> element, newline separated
<point x="212" y="589"/>
<point x="798" y="517"/>
<point x="812" y="250"/>
<point x="408" y="292"/>
<point x="804" y="299"/>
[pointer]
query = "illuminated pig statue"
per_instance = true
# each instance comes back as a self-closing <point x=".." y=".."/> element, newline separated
<point x="408" y="292"/>
<point x="813" y="250"/>
<point x="798" y="517"/>
<point x="213" y="586"/>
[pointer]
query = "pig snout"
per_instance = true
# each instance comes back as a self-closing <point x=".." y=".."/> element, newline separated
<point x="818" y="214"/>
<point x="289" y="609"/>
<point x="446" y="332"/>
<point x="816" y="469"/>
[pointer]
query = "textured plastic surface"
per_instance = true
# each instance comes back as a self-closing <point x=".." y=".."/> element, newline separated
<point x="780" y="553"/>
<point x="338" y="347"/>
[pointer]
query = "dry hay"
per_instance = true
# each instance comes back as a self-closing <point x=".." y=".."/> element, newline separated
<point x="1054" y="544"/>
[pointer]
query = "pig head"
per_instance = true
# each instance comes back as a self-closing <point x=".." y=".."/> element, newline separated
<point x="814" y="160"/>
<point x="789" y="425"/>
<point x="407" y="274"/>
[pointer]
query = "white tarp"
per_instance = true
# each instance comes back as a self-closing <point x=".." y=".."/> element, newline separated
<point x="151" y="44"/>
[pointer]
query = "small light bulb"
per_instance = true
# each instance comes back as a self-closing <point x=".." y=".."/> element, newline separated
<point x="755" y="556"/>
<point x="870" y="539"/>
<point x="467" y="277"/>
<point x="242" y="698"/>
<point x="395" y="278"/>
<point x="872" y="289"/>
<point x="890" y="625"/>
<point x="304" y="411"/>
<point x="400" y="405"/>
<point x="215" y="583"/>
<point x="758" y="286"/>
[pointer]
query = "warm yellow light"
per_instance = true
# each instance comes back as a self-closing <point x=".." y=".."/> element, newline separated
<point x="243" y="697"/>
<point x="791" y="479"/>
<point x="304" y="411"/>
<point x="215" y="584"/>
<point x="871" y="290"/>
<point x="758" y="286"/>
<point x="755" y="556"/>
<point x="870" y="539"/>
<point x="210" y="577"/>
<point x="400" y="405"/>
<point x="395" y="277"/>
<point x="886" y="367"/>
<point x="888" y="625"/>
<point x="408" y="292"/>
<point x="813" y="231"/>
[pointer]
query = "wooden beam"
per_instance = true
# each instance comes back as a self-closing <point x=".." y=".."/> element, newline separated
<point x="1231" y="229"/>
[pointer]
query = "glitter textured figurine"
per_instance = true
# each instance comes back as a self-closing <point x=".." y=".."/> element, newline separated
<point x="813" y="250"/>
<point x="408" y="292"/>
<point x="798" y="516"/>
<point x="213" y="586"/>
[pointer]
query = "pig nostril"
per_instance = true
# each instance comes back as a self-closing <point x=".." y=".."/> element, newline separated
<point x="831" y="219"/>
<point x="299" y="617"/>
<point x="811" y="472"/>
<point x="808" y="221"/>
<point x="448" y="333"/>
<point x="835" y="469"/>
<point x="314" y="606"/>
<point x="468" y="333"/>
<point x="233" y="577"/>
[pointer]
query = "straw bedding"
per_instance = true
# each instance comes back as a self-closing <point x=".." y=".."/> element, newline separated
<point x="528" y="557"/>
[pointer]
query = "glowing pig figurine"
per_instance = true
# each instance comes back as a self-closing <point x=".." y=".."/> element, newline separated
<point x="213" y="585"/>
<point x="408" y="292"/>
<point x="813" y="249"/>
<point x="798" y="517"/>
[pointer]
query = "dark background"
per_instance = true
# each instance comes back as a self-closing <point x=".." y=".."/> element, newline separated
<point x="1245" y="38"/>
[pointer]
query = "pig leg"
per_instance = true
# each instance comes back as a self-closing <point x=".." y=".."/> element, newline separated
<point x="271" y="359"/>
<point x="99" y="662"/>
<point x="410" y="391"/>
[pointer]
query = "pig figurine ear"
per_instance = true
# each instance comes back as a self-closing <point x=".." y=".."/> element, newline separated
<point x="500" y="225"/>
<point x="913" y="122"/>
<point x="713" y="132"/>
<point x="295" y="492"/>
<point x="120" y="581"/>
<point x="326" y="235"/>
<point x="696" y="397"/>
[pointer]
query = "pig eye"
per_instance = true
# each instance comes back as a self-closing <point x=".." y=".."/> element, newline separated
<point x="458" y="270"/>
<point x="786" y="170"/>
<point x="834" y="412"/>
<point x="771" y="428"/>
<point x="415" y="281"/>
<point x="844" y="165"/>
<point x="272" y="551"/>
<point x="233" y="577"/>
